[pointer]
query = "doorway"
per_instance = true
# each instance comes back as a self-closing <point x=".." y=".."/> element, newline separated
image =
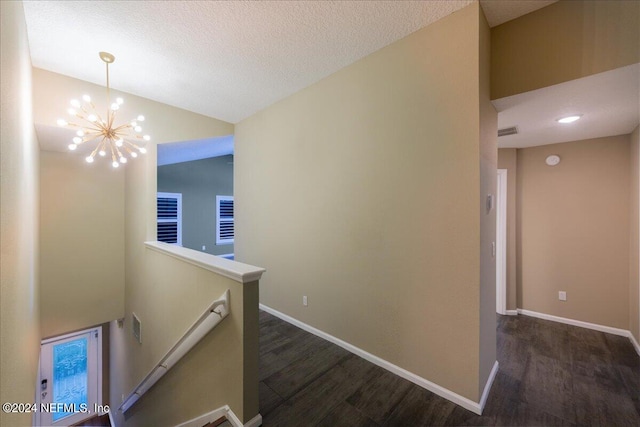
<point x="70" y="378"/>
<point x="501" y="243"/>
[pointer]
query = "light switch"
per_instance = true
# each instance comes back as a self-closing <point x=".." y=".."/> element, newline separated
<point x="489" y="202"/>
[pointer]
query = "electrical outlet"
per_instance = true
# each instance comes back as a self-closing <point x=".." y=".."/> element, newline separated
<point x="562" y="296"/>
<point x="304" y="300"/>
<point x="204" y="248"/>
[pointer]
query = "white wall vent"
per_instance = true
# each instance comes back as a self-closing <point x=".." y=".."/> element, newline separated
<point x="507" y="131"/>
<point x="137" y="328"/>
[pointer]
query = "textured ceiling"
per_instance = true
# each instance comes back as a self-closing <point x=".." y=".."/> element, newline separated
<point x="609" y="103"/>
<point x="225" y="59"/>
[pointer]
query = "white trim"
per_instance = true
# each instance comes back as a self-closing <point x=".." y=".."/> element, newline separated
<point x="254" y="422"/>
<point x="207" y="418"/>
<point x="581" y="324"/>
<point x="501" y="243"/>
<point x="233" y="418"/>
<point x="243" y="273"/>
<point x="487" y="386"/>
<point x="422" y="382"/>
<point x="224" y="411"/>
<point x="511" y="313"/>
<point x="635" y="343"/>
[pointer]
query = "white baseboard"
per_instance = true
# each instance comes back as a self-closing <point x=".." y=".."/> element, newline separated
<point x="635" y="343"/>
<point x="511" y="312"/>
<point x="254" y="422"/>
<point x="207" y="418"/>
<point x="581" y="324"/>
<point x="487" y="386"/>
<point x="422" y="382"/>
<point x="224" y="411"/>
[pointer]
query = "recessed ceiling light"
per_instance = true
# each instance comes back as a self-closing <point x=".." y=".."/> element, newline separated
<point x="569" y="119"/>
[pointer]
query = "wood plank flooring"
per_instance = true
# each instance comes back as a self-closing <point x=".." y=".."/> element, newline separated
<point x="550" y="374"/>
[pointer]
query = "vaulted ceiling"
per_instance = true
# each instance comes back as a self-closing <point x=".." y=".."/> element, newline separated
<point x="230" y="59"/>
<point x="226" y="59"/>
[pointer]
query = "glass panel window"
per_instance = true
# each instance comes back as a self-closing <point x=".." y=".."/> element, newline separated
<point x="70" y="379"/>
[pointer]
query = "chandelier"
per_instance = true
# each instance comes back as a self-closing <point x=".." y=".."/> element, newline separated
<point x="116" y="140"/>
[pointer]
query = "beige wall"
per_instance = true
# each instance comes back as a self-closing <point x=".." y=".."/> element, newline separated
<point x="488" y="178"/>
<point x="81" y="243"/>
<point x="634" y="238"/>
<point x="211" y="375"/>
<point x="561" y="42"/>
<point x="574" y="230"/>
<point x="507" y="159"/>
<point x="163" y="122"/>
<point x="362" y="192"/>
<point x="19" y="287"/>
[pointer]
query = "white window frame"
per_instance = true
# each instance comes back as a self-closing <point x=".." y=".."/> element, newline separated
<point x="220" y="241"/>
<point x="178" y="197"/>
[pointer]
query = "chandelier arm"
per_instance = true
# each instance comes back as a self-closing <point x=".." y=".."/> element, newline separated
<point x="121" y="127"/>
<point x="89" y="139"/>
<point x="95" y="150"/>
<point x="99" y="119"/>
<point x="109" y="121"/>
<point x="89" y="127"/>
<point x="132" y="145"/>
<point x="93" y="133"/>
<point x="113" y="153"/>
<point x="118" y="152"/>
<point x="102" y="145"/>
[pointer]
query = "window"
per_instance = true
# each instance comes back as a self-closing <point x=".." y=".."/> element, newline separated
<point x="170" y="218"/>
<point x="224" y="220"/>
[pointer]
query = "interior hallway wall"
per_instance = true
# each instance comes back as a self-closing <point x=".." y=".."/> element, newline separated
<point x="362" y="192"/>
<point x="573" y="222"/>
<point x="19" y="275"/>
<point x="563" y="41"/>
<point x="488" y="186"/>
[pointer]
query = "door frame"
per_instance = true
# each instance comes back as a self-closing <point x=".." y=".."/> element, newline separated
<point x="501" y="243"/>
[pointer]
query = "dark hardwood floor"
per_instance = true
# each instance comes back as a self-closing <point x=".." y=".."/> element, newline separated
<point x="550" y="374"/>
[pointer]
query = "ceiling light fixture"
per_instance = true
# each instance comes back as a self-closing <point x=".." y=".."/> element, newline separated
<point x="569" y="119"/>
<point x="116" y="140"/>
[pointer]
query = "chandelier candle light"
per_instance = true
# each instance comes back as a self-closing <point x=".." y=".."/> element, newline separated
<point x="117" y="140"/>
